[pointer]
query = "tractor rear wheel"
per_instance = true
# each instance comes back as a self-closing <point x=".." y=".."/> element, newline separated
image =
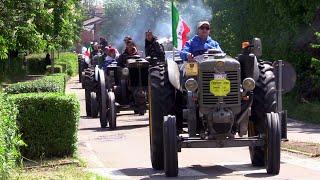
<point x="161" y="103"/>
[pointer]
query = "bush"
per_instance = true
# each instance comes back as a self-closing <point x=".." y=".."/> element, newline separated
<point x="36" y="65"/>
<point x="52" y="83"/>
<point x="63" y="65"/>
<point x="48" y="123"/>
<point x="11" y="70"/>
<point x="57" y="69"/>
<point x="301" y="109"/>
<point x="9" y="138"/>
<point x="71" y="60"/>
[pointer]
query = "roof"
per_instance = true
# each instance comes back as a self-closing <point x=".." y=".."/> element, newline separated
<point x="91" y="21"/>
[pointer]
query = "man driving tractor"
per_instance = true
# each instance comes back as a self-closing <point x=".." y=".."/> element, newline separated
<point x="131" y="50"/>
<point x="200" y="43"/>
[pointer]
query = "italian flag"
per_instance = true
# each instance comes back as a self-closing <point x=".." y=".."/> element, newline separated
<point x="180" y="29"/>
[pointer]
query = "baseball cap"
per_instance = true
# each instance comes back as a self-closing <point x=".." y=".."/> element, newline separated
<point x="201" y="23"/>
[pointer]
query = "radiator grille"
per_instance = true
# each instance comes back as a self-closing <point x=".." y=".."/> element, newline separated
<point x="231" y="99"/>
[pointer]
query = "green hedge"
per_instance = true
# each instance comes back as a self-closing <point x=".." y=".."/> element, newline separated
<point x="57" y="69"/>
<point x="71" y="61"/>
<point x="11" y="70"/>
<point x="48" y="123"/>
<point x="36" y="65"/>
<point x="63" y="65"/>
<point x="9" y="138"/>
<point x="52" y="83"/>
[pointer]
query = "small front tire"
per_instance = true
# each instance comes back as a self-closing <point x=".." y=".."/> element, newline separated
<point x="170" y="146"/>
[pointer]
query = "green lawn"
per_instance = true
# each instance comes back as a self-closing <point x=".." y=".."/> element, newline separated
<point x="55" y="170"/>
<point x="303" y="111"/>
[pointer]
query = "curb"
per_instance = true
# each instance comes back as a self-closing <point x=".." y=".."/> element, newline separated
<point x="301" y="152"/>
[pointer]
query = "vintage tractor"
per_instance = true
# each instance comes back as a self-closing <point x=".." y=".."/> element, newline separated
<point x="90" y="83"/>
<point x="220" y="99"/>
<point x="122" y="88"/>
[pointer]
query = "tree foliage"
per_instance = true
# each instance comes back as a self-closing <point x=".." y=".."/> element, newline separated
<point x="35" y="25"/>
<point x="286" y="28"/>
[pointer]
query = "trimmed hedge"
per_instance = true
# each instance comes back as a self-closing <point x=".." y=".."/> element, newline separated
<point x="36" y="65"/>
<point x="71" y="60"/>
<point x="9" y="137"/>
<point x="63" y="65"/>
<point x="57" y="69"/>
<point x="48" y="123"/>
<point x="52" y="83"/>
<point x="11" y="70"/>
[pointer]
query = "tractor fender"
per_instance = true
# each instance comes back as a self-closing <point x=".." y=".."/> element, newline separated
<point x="174" y="74"/>
<point x="255" y="68"/>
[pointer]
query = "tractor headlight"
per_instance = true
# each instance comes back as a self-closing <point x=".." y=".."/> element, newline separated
<point x="125" y="71"/>
<point x="191" y="85"/>
<point x="248" y="84"/>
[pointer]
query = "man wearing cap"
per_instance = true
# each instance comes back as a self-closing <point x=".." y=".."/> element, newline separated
<point x="200" y="43"/>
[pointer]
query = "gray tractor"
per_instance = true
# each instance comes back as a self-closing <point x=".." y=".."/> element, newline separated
<point x="122" y="88"/>
<point x="218" y="101"/>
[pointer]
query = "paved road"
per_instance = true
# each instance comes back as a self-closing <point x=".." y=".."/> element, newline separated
<point x="124" y="153"/>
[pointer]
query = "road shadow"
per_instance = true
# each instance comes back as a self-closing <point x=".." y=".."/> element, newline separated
<point x="75" y="88"/>
<point x="302" y="127"/>
<point x="86" y="117"/>
<point x="198" y="172"/>
<point x="248" y="170"/>
<point x="119" y="128"/>
<point x="194" y="172"/>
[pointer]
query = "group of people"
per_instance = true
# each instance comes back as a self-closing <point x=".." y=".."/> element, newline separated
<point x="110" y="54"/>
<point x="198" y="45"/>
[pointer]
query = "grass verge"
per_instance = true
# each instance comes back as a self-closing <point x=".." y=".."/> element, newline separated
<point x="55" y="169"/>
<point x="304" y="148"/>
<point x="303" y="111"/>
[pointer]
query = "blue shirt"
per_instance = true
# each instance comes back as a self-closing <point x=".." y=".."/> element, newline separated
<point x="196" y="46"/>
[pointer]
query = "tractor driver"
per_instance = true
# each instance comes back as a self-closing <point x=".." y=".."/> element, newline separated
<point x="111" y="55"/>
<point x="200" y="43"/>
<point x="153" y="48"/>
<point x="131" y="50"/>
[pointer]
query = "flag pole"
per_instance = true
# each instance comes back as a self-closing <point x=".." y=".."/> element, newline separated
<point x="173" y="50"/>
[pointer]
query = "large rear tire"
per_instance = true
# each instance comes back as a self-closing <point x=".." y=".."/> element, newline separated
<point x="273" y="141"/>
<point x="170" y="146"/>
<point x="265" y="101"/>
<point x="112" y="112"/>
<point x="161" y="103"/>
<point x="94" y="105"/>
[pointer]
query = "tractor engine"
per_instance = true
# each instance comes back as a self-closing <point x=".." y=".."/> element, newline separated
<point x="219" y="94"/>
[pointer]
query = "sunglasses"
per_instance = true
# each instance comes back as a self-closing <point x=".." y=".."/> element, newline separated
<point x="204" y="27"/>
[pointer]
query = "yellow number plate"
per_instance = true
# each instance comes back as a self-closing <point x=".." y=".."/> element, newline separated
<point x="191" y="69"/>
<point x="220" y="87"/>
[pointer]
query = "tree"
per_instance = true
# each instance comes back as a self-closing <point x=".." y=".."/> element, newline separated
<point x="35" y="25"/>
